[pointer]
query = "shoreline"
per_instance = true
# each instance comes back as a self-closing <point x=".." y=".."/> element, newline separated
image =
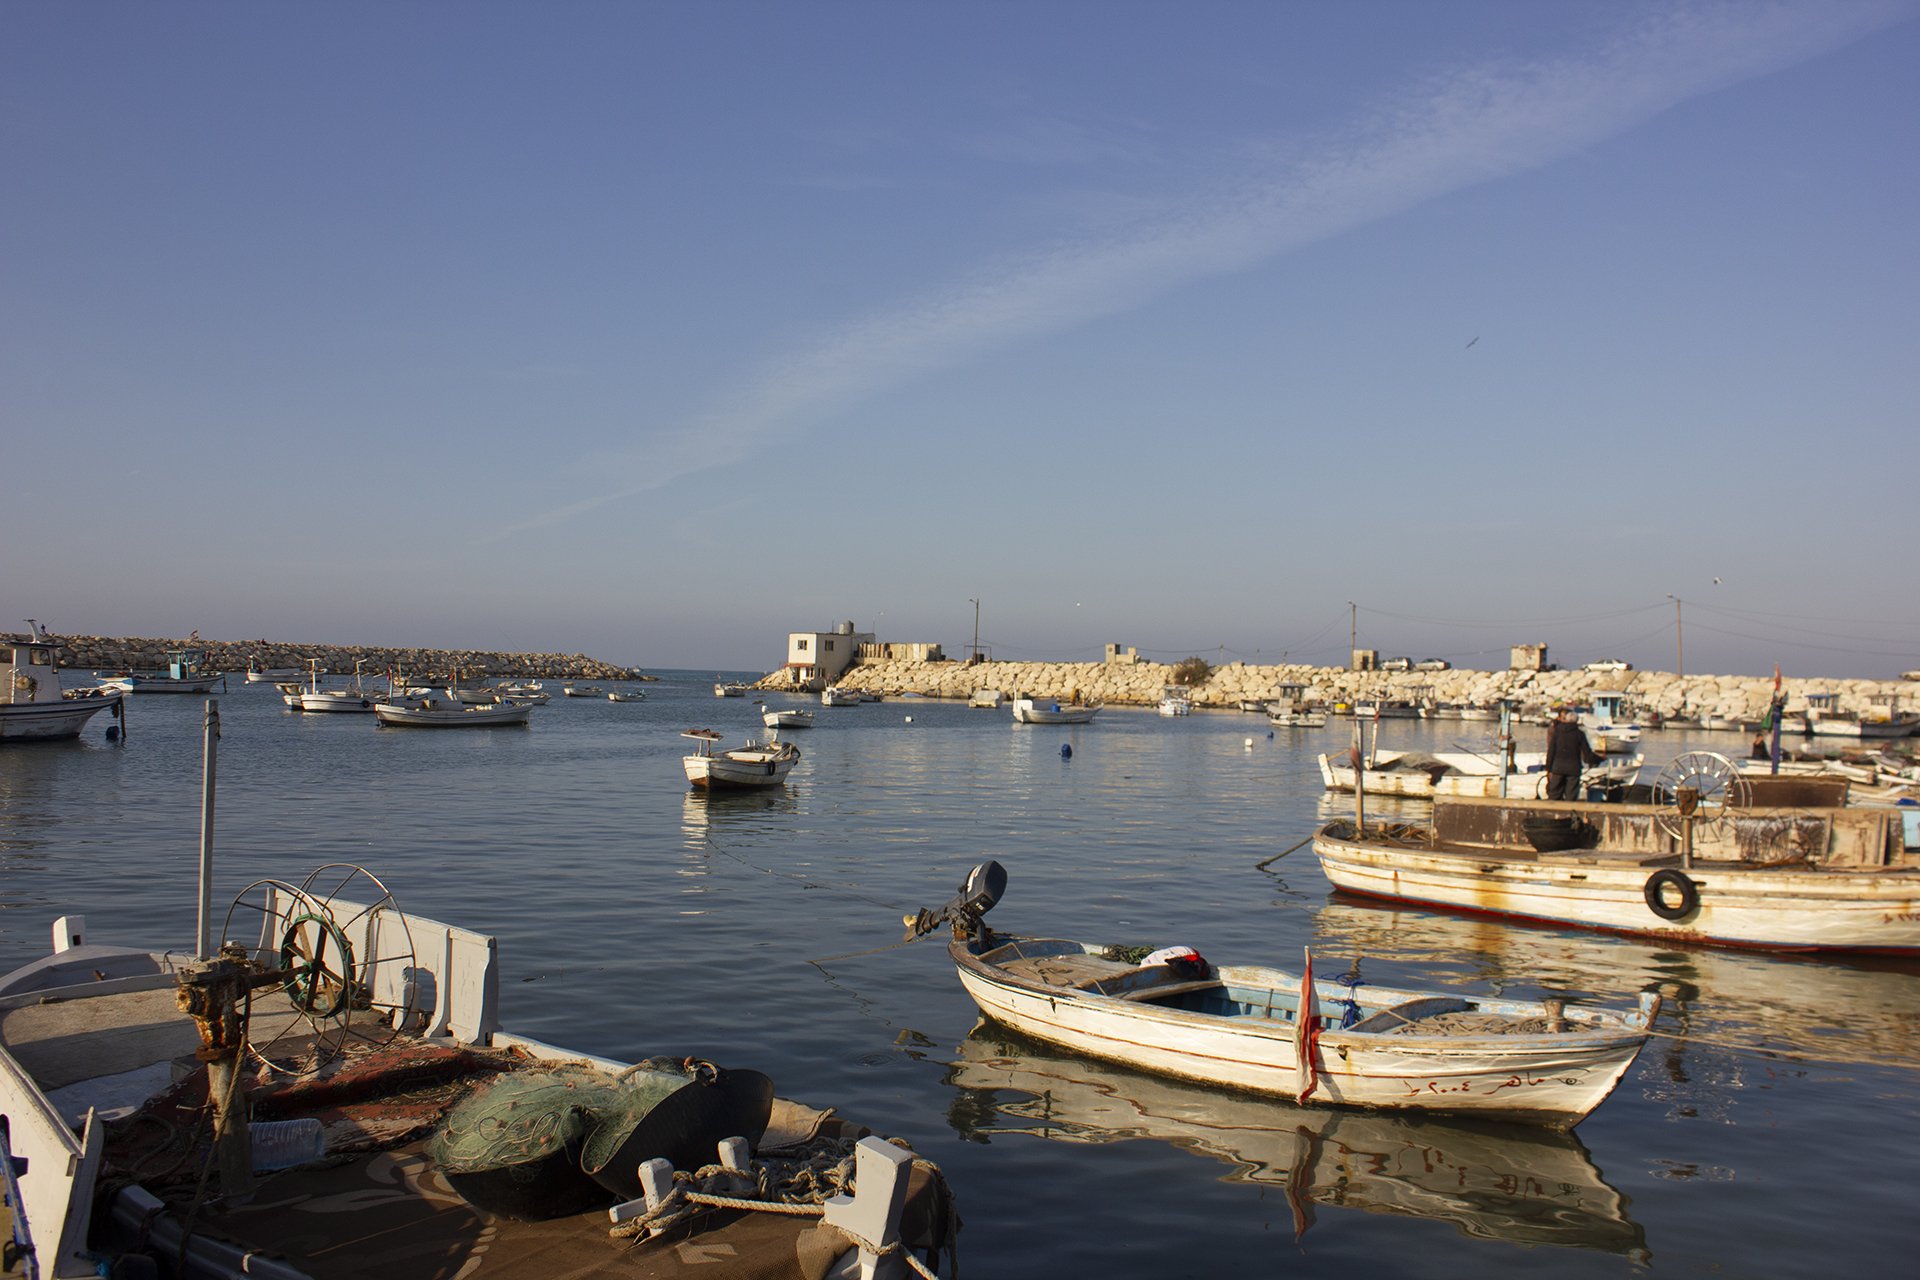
<point x="130" y="653"/>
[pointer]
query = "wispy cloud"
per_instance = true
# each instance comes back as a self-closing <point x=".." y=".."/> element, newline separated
<point x="1478" y="125"/>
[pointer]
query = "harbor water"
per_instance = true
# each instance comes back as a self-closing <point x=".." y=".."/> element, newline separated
<point x="1768" y="1129"/>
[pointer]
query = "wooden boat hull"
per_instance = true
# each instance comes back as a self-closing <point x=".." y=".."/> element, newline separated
<point x="723" y="771"/>
<point x="1551" y="1080"/>
<point x="340" y="702"/>
<point x="1770" y="908"/>
<point x="273" y="675"/>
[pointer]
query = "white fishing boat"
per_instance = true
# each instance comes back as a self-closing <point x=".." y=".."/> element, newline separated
<point x="729" y="689"/>
<point x="582" y="690"/>
<point x="1722" y="858"/>
<point x="442" y="1158"/>
<point x="786" y="718"/>
<point x="352" y="699"/>
<point x="443" y="710"/>
<point x="1175" y="702"/>
<point x="987" y="699"/>
<point x="1285" y="1034"/>
<point x="1053" y="711"/>
<point x="836" y="696"/>
<point x="1423" y="774"/>
<point x="625" y="695"/>
<point x="1823" y="718"/>
<point x="257" y="674"/>
<point x="753" y="765"/>
<point x="33" y="706"/>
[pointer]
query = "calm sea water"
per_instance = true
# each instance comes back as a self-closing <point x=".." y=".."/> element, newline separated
<point x="1769" y="1130"/>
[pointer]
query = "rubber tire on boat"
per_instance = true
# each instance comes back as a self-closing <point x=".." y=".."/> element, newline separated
<point x="1655" y="892"/>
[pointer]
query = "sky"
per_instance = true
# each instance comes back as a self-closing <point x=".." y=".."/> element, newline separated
<point x="656" y="331"/>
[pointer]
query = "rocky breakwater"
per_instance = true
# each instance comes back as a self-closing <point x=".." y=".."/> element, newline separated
<point x="1141" y="684"/>
<point x="107" y="653"/>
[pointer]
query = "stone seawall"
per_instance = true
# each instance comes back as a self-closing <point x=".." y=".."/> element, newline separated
<point x="1140" y="684"/>
<point x="106" y="653"/>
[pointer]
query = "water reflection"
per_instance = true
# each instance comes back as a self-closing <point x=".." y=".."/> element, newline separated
<point x="1833" y="1010"/>
<point x="706" y="814"/>
<point x="1491" y="1182"/>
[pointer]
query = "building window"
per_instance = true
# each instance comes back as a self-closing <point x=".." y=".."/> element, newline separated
<point x="829" y="646"/>
<point x="803" y="645"/>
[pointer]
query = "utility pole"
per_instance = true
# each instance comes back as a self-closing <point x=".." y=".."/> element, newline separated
<point x="1353" y="631"/>
<point x="975" y="651"/>
<point x="1679" y="639"/>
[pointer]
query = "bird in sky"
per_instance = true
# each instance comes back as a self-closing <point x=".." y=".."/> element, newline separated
<point x="1469" y="346"/>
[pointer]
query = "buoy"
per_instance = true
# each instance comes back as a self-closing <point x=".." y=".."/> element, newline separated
<point x="1269" y="735"/>
<point x="1066" y="751"/>
<point x="1249" y="744"/>
<point x="909" y="719"/>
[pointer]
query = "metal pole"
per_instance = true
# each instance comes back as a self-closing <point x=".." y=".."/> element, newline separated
<point x="976" y="629"/>
<point x="210" y="756"/>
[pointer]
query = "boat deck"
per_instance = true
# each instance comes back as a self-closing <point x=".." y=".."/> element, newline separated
<point x="375" y="1205"/>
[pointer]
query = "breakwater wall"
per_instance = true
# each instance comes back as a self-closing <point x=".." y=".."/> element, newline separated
<point x="1140" y="684"/>
<point x="109" y="653"/>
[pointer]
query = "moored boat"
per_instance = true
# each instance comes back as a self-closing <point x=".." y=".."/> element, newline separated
<point x="33" y="706"/>
<point x="354" y="1052"/>
<point x="444" y="710"/>
<point x="786" y="718"/>
<point x="836" y="696"/>
<point x="1269" y="1031"/>
<point x="1750" y="865"/>
<point x="752" y="765"/>
<point x="1053" y="711"/>
<point x="186" y="672"/>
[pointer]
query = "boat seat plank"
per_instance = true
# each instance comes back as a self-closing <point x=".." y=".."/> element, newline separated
<point x="64" y="1042"/>
<point x="1067" y="970"/>
<point x="1410" y="1011"/>
<point x="1170" y="989"/>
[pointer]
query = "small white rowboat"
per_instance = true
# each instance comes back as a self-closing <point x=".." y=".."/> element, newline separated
<point x="1536" y="1062"/>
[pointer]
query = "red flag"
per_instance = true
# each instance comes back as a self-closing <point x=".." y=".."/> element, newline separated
<point x="1776" y="677"/>
<point x="1306" y="1032"/>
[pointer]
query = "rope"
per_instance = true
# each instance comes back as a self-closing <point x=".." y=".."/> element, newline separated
<point x="1262" y="864"/>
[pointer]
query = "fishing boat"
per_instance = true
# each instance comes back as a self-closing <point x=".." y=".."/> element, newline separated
<point x="729" y="689"/>
<point x="836" y="696"/>
<point x="1175" y="702"/>
<point x="257" y="674"/>
<point x="1823" y="718"/>
<point x="1720" y="858"/>
<point x="1268" y="1031"/>
<point x="753" y="765"/>
<point x="786" y="718"/>
<point x="582" y="690"/>
<point x="444" y="710"/>
<point x="186" y="672"/>
<point x="33" y="706"/>
<point x="987" y="699"/>
<point x="625" y="695"/>
<point x="354" y="699"/>
<point x="1053" y="711"/>
<point x="1423" y="774"/>
<point x="324" y="1088"/>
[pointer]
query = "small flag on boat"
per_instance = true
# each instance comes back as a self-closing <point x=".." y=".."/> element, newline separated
<point x="1306" y="1031"/>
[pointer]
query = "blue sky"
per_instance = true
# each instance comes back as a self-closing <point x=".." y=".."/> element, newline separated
<point x="655" y="331"/>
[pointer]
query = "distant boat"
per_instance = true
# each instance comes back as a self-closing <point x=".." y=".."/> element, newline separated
<point x="753" y="765"/>
<point x="443" y="710"/>
<point x="257" y="674"/>
<point x="582" y="690"/>
<point x="989" y="699"/>
<point x="625" y="695"/>
<point x="186" y="672"/>
<point x="1052" y="711"/>
<point x="1175" y="702"/>
<point x="786" y="718"/>
<point x="835" y="696"/>
<point x="730" y="689"/>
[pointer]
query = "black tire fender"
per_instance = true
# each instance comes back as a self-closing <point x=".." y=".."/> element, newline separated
<point x="1656" y="894"/>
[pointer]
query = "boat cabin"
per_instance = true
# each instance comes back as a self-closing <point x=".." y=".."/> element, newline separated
<point x="185" y="664"/>
<point x="1609" y="708"/>
<point x="28" y="673"/>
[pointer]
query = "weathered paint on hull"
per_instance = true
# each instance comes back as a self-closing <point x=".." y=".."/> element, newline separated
<point x="1507" y="1078"/>
<point x="1768" y="909"/>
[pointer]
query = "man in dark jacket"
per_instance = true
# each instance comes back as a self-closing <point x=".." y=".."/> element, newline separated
<point x="1568" y="751"/>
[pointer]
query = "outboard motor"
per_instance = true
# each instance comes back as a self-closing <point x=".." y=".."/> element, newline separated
<point x="983" y="887"/>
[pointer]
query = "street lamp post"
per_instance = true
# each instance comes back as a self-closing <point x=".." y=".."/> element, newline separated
<point x="975" y="651"/>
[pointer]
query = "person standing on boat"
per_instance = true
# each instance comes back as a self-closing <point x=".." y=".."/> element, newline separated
<point x="1568" y="751"/>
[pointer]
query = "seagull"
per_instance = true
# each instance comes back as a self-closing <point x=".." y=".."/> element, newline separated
<point x="1469" y="346"/>
<point x="1716" y="582"/>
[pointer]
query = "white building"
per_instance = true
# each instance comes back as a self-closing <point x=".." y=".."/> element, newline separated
<point x="815" y="659"/>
